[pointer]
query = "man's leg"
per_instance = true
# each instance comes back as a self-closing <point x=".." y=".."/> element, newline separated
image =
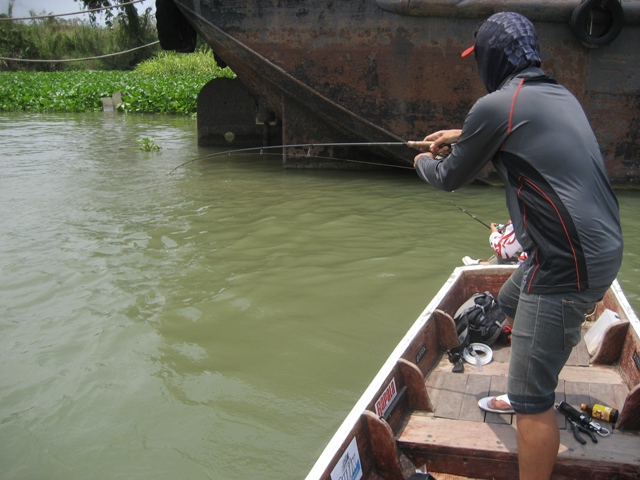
<point x="546" y="329"/>
<point x="538" y="443"/>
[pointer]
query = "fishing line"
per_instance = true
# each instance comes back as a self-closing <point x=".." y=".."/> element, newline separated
<point x="323" y="157"/>
<point x="260" y="151"/>
<point x="411" y="144"/>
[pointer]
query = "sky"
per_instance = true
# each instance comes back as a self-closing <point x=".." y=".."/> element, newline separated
<point x="21" y="8"/>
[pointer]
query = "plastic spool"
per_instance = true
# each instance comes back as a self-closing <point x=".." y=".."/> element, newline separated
<point x="480" y="348"/>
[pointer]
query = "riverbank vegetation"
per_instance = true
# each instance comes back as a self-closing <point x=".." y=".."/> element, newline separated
<point x="46" y="37"/>
<point x="150" y="80"/>
<point x="168" y="83"/>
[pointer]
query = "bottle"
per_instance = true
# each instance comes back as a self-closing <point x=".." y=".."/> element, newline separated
<point x="601" y="412"/>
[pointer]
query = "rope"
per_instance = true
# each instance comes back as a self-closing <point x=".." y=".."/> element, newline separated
<point x="73" y="13"/>
<point x="78" y="59"/>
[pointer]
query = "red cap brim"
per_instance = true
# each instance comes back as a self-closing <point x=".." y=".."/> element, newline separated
<point x="468" y="51"/>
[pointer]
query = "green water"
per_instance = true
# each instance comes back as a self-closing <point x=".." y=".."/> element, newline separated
<point x="214" y="323"/>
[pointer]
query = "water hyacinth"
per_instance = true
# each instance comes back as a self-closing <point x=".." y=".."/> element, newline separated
<point x="169" y="83"/>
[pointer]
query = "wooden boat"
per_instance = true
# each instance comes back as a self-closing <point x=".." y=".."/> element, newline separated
<point x="378" y="71"/>
<point x="418" y="414"/>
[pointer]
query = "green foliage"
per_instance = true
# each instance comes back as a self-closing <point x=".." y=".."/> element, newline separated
<point x="200" y="62"/>
<point x="55" y="38"/>
<point x="81" y="91"/>
<point x="148" y="144"/>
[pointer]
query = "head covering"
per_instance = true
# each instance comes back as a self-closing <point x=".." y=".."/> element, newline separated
<point x="506" y="43"/>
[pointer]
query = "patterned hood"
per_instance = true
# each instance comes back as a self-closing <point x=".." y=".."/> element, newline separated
<point x="506" y="43"/>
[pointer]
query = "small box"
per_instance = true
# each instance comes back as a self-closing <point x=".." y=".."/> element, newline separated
<point x="593" y="338"/>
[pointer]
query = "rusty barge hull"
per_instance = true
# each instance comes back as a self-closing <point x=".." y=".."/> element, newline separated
<point x="391" y="70"/>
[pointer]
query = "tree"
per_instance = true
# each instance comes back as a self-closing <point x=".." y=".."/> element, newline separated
<point x="10" y="8"/>
<point x="128" y="14"/>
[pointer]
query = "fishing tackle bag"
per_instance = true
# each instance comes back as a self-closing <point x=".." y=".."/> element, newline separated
<point x="485" y="319"/>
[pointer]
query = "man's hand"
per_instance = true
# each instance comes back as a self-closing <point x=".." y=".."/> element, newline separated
<point x="442" y="140"/>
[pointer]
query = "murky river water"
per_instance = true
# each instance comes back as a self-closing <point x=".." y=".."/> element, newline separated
<point x="215" y="323"/>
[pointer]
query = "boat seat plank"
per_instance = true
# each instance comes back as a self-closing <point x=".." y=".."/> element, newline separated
<point x="429" y="436"/>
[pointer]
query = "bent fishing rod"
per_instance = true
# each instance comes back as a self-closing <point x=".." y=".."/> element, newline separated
<point x="418" y="145"/>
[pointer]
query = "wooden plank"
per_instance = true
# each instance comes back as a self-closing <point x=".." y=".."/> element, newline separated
<point x="501" y="354"/>
<point x="629" y="418"/>
<point x="494" y="447"/>
<point x="434" y="387"/>
<point x="477" y="388"/>
<point x="446" y="330"/>
<point x="583" y="359"/>
<point x="620" y="393"/>
<point x="612" y="342"/>
<point x="592" y="374"/>
<point x="383" y="447"/>
<point x="576" y="393"/>
<point x="417" y="395"/>
<point x="573" y="358"/>
<point x="498" y="387"/>
<point x="602" y="394"/>
<point x="451" y="395"/>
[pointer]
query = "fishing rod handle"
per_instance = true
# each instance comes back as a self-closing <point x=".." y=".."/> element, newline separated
<point x="423" y="145"/>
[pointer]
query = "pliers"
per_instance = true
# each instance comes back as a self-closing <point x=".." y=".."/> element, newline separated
<point x="577" y="428"/>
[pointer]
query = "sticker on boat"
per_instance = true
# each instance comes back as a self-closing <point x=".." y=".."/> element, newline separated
<point x="383" y="402"/>
<point x="349" y="466"/>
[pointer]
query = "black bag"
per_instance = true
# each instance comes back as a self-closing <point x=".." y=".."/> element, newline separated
<point x="484" y="318"/>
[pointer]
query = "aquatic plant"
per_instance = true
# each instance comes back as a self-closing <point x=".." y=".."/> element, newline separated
<point x="200" y="62"/>
<point x="148" y="144"/>
<point x="82" y="91"/>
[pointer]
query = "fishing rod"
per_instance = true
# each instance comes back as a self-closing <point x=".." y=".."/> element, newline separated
<point x="464" y="210"/>
<point x="418" y="145"/>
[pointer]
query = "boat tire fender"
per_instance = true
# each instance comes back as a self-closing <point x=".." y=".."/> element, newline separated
<point x="580" y="19"/>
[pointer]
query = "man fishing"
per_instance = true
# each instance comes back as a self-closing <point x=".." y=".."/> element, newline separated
<point x="564" y="212"/>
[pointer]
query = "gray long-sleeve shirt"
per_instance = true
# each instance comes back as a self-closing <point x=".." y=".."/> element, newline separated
<point x="564" y="211"/>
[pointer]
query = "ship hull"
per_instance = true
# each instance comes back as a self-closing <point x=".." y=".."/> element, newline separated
<point x="383" y="71"/>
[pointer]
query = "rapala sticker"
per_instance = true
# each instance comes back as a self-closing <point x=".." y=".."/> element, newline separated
<point x="349" y="466"/>
<point x="386" y="398"/>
